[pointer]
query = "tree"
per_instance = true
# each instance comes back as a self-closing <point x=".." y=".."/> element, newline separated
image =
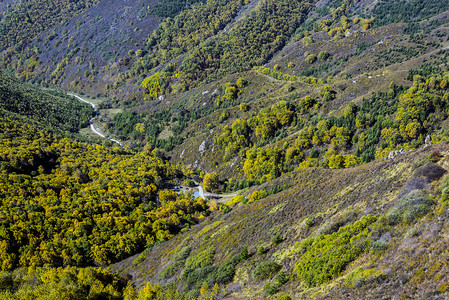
<point x="244" y="254"/>
<point x="211" y="181"/>
<point x="310" y="59"/>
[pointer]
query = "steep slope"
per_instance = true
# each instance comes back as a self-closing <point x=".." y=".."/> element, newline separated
<point x="74" y="54"/>
<point x="366" y="222"/>
<point x="45" y="109"/>
<point x="21" y="21"/>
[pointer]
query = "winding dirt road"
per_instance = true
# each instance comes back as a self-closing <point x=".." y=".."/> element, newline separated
<point x="92" y="127"/>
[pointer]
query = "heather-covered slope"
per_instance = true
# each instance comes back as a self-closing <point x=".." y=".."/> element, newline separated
<point x="374" y="231"/>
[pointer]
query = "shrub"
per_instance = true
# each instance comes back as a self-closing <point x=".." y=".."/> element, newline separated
<point x="266" y="270"/>
<point x="261" y="251"/>
<point x="241" y="82"/>
<point x="201" y="260"/>
<point x="244" y="107"/>
<point x="225" y="273"/>
<point x="282" y="278"/>
<point x="271" y="289"/>
<point x="197" y="277"/>
<point x="244" y="255"/>
<point x="430" y="171"/>
<point x="277" y="239"/>
<point x="336" y="250"/>
<point x="257" y="195"/>
<point x="323" y="55"/>
<point x="183" y="253"/>
<point x="414" y="205"/>
<point x="310" y="59"/>
<point x="171" y="270"/>
<point x="6" y="281"/>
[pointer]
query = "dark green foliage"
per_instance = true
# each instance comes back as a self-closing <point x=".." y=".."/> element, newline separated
<point x="244" y="255"/>
<point x="414" y="205"/>
<point x="261" y="251"/>
<point x="387" y="12"/>
<point x="196" y="277"/>
<point x="335" y="251"/>
<point x="266" y="270"/>
<point x="47" y="109"/>
<point x="225" y="273"/>
<point x="6" y="282"/>
<point x="425" y="70"/>
<point x="282" y="278"/>
<point x="171" y="270"/>
<point x="201" y="260"/>
<point x="183" y="253"/>
<point x="277" y="239"/>
<point x="204" y="272"/>
<point x="271" y="289"/>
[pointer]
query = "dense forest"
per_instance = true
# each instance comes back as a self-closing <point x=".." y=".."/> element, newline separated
<point x="70" y="203"/>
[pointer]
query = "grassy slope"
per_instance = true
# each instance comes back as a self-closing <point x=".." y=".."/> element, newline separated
<point x="414" y="256"/>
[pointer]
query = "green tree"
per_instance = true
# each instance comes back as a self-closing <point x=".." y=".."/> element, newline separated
<point x="211" y="181"/>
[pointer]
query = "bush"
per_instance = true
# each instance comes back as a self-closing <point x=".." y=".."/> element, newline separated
<point x="323" y="55"/>
<point x="201" y="260"/>
<point x="244" y="107"/>
<point x="311" y="58"/>
<point x="266" y="270"/>
<point x="225" y="273"/>
<point x="244" y="254"/>
<point x="6" y="282"/>
<point x="197" y="277"/>
<point x="282" y="278"/>
<point x="430" y="171"/>
<point x="171" y="270"/>
<point x="271" y="289"/>
<point x="336" y="251"/>
<point x="414" y="205"/>
<point x="277" y="239"/>
<point x="183" y="253"/>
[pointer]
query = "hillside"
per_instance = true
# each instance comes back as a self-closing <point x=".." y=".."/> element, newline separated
<point x="318" y="131"/>
<point x="44" y="109"/>
<point x="366" y="223"/>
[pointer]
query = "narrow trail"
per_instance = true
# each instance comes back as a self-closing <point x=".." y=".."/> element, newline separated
<point x="204" y="195"/>
<point x="97" y="113"/>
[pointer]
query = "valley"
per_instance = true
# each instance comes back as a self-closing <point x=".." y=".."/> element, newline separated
<point x="224" y="149"/>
